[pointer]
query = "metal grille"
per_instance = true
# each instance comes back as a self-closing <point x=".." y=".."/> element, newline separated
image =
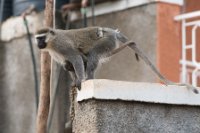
<point x="190" y="69"/>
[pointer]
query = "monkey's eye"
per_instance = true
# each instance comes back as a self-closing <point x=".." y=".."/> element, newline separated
<point x="52" y="32"/>
<point x="41" y="39"/>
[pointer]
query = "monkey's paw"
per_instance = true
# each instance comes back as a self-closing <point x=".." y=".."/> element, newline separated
<point x="78" y="84"/>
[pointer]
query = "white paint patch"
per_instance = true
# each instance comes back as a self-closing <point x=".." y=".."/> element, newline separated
<point x="56" y="56"/>
<point x="137" y="91"/>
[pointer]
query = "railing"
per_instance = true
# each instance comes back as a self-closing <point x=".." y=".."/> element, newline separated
<point x="186" y="64"/>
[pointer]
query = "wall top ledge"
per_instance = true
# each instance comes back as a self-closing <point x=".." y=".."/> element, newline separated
<point x="137" y="91"/>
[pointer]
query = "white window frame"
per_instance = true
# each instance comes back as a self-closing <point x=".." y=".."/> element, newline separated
<point x="185" y="71"/>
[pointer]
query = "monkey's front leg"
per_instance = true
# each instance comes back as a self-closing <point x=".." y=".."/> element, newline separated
<point x="78" y="66"/>
<point x="67" y="66"/>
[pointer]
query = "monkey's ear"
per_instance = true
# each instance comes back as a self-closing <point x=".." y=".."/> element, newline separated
<point x="51" y="31"/>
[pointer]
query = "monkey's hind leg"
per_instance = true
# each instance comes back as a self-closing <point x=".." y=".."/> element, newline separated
<point x="91" y="66"/>
<point x="78" y="65"/>
<point x="69" y="67"/>
<point x="100" y="51"/>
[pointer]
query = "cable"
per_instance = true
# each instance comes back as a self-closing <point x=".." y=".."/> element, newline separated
<point x="33" y="61"/>
<point x="67" y="25"/>
<point x="93" y="16"/>
<point x="84" y="4"/>
<point x="1" y="10"/>
<point x="1" y="14"/>
<point x="84" y="13"/>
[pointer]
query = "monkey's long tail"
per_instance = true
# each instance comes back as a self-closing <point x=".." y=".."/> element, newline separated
<point x="161" y="77"/>
<point x="133" y="46"/>
<point x="121" y="37"/>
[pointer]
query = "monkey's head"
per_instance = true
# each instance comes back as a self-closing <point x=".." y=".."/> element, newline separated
<point x="43" y="37"/>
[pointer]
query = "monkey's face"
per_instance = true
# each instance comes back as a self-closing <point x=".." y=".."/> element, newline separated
<point x="44" y="39"/>
<point x="41" y="41"/>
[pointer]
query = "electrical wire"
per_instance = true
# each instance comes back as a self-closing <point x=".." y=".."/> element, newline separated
<point x="67" y="25"/>
<point x="33" y="62"/>
<point x="84" y="13"/>
<point x="84" y="4"/>
<point x="93" y="15"/>
<point x="1" y="14"/>
<point x="1" y="10"/>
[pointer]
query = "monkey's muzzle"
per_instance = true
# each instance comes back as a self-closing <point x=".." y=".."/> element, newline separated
<point x="41" y="43"/>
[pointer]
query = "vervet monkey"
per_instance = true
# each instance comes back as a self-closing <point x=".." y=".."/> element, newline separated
<point x="72" y="48"/>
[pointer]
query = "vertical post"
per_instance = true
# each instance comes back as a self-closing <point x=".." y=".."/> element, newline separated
<point x="183" y="79"/>
<point x="194" y="61"/>
<point x="44" y="101"/>
<point x="84" y="12"/>
<point x="194" y="44"/>
<point x="1" y="13"/>
<point x="93" y="15"/>
<point x="33" y="61"/>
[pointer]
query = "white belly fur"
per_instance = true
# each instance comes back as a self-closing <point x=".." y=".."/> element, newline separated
<point x="57" y="57"/>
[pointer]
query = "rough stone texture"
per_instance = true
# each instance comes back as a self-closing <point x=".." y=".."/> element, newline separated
<point x="100" y="116"/>
<point x="139" y="24"/>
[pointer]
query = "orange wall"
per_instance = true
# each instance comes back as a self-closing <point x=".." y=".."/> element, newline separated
<point x="169" y="40"/>
<point x="192" y="5"/>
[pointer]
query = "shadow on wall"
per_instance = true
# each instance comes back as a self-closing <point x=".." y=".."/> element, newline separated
<point x="3" y="94"/>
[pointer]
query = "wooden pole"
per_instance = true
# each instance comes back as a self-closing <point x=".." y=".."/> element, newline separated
<point x="44" y="101"/>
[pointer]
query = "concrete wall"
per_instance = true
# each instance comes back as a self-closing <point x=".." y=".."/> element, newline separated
<point x="106" y="106"/>
<point x="17" y="88"/>
<point x="102" y="116"/>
